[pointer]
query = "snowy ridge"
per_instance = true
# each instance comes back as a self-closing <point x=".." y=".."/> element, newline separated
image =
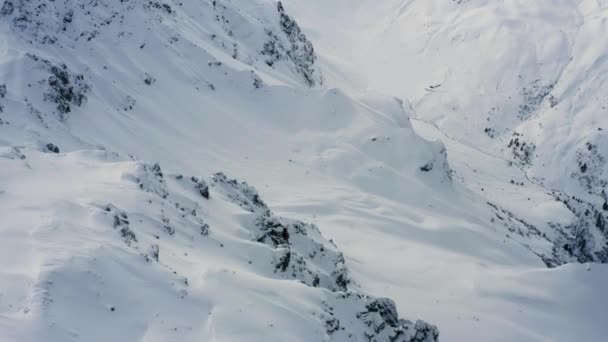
<point x="254" y="36"/>
<point x="238" y="28"/>
<point x="167" y="230"/>
<point x="303" y="254"/>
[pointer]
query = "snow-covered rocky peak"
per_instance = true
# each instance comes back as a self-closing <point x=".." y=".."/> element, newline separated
<point x="252" y="32"/>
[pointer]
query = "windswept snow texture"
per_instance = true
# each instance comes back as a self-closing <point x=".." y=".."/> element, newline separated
<point x="116" y="117"/>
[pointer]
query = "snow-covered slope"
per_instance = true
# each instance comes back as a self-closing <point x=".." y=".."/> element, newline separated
<point x="522" y="80"/>
<point x="115" y="248"/>
<point x="114" y="116"/>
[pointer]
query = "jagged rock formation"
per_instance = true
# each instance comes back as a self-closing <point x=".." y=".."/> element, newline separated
<point x="301" y="252"/>
<point x="378" y="315"/>
<point x="299" y="50"/>
<point x="586" y="238"/>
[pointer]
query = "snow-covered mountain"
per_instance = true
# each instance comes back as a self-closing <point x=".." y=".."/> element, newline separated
<point x="158" y="256"/>
<point x="521" y="80"/>
<point x="120" y="121"/>
<point x="90" y="85"/>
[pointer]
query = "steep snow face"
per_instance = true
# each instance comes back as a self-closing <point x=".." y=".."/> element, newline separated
<point x="521" y="80"/>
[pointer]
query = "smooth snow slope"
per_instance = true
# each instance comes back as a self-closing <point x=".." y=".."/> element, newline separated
<point x="201" y="87"/>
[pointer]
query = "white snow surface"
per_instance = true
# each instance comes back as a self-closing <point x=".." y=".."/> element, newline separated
<point x="116" y="117"/>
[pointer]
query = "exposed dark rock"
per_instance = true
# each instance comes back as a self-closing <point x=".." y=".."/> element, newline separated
<point x="64" y="88"/>
<point x="522" y="151"/>
<point x="121" y="223"/>
<point x="378" y="315"/>
<point x="160" y="6"/>
<point x="532" y="98"/>
<point x="298" y="49"/>
<point x="257" y="81"/>
<point x="204" y="229"/>
<point x="150" y="179"/>
<point x="201" y="186"/>
<point x="149" y="79"/>
<point x="241" y="193"/>
<point x="50" y="147"/>
<point x="590" y="168"/>
<point x="301" y="251"/>
<point x="153" y="253"/>
<point x="586" y="238"/>
<point x="7" y="8"/>
<point x="427" y="167"/>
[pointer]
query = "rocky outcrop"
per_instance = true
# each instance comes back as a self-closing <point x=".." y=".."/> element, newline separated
<point x="306" y="256"/>
<point x="297" y="48"/>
